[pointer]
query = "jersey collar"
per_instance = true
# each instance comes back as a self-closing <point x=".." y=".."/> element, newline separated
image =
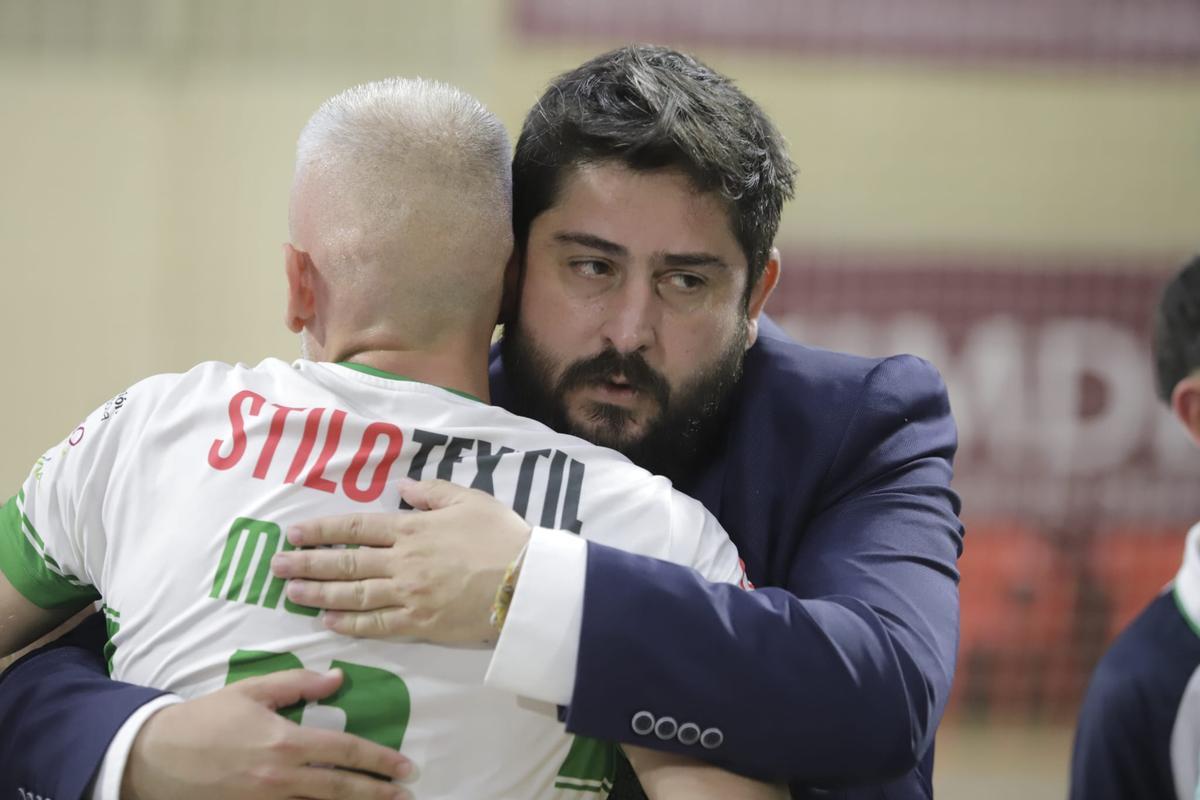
<point x="1187" y="581"/>
<point x="391" y="376"/>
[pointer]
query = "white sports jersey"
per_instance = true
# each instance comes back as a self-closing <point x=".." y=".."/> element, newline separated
<point x="169" y="501"/>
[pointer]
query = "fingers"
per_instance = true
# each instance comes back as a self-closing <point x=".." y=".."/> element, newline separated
<point x="375" y="530"/>
<point x="347" y="751"/>
<point x="332" y="565"/>
<point x="377" y="624"/>
<point x="280" y="689"/>
<point x="353" y="595"/>
<point x="321" y="783"/>
<point x="434" y="494"/>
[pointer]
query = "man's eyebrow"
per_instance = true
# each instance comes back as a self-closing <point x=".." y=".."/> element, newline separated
<point x="693" y="260"/>
<point x="592" y="241"/>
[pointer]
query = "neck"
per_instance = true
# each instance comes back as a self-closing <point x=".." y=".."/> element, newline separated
<point x="459" y="366"/>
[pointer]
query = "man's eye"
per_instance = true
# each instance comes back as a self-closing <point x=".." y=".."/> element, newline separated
<point x="591" y="268"/>
<point x="685" y="281"/>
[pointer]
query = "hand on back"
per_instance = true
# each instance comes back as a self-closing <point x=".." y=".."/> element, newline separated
<point x="432" y="575"/>
<point x="233" y="745"/>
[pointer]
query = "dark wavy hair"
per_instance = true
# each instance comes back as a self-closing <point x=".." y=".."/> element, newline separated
<point x="653" y="108"/>
<point x="1177" y="330"/>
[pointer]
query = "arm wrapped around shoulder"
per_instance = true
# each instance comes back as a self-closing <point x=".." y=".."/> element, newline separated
<point x="838" y="677"/>
<point x="60" y="713"/>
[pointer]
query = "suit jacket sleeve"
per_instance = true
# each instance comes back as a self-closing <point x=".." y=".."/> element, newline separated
<point x="58" y="712"/>
<point x="842" y="674"/>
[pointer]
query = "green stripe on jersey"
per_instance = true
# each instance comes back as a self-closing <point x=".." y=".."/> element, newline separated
<point x="32" y="534"/>
<point x="590" y="766"/>
<point x="34" y="574"/>
<point x="112" y="624"/>
<point x="391" y="376"/>
<point x="1183" y="612"/>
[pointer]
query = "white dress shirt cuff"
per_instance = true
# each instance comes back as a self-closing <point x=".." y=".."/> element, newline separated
<point x="538" y="648"/>
<point x="107" y="785"/>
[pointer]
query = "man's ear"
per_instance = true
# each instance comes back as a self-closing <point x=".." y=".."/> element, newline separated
<point x="512" y="288"/>
<point x="301" y="298"/>
<point x="759" y="294"/>
<point x="1185" y="403"/>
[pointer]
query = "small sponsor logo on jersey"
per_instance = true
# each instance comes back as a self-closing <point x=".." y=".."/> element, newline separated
<point x="76" y="436"/>
<point x="113" y="407"/>
<point x="40" y="466"/>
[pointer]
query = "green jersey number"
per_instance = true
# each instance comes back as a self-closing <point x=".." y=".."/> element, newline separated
<point x="376" y="702"/>
<point x="377" y="706"/>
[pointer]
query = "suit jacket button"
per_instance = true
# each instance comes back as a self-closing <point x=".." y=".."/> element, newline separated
<point x="665" y="728"/>
<point x="643" y="723"/>
<point x="712" y="738"/>
<point x="689" y="733"/>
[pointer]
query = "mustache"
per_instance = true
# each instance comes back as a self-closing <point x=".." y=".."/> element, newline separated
<point x="602" y="367"/>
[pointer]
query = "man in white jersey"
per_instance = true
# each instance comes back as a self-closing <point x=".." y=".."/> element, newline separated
<point x="170" y="500"/>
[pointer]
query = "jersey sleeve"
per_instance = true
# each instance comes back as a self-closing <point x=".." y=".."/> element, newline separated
<point x="627" y="508"/>
<point x="52" y="533"/>
<point x="705" y="545"/>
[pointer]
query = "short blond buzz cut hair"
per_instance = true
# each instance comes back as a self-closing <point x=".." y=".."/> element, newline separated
<point x="403" y="194"/>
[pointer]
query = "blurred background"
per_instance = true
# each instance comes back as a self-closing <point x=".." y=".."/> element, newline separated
<point x="1000" y="187"/>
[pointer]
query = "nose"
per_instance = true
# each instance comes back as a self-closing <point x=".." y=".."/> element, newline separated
<point x="631" y="321"/>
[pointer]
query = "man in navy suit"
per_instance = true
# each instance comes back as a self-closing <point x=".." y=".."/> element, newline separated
<point x="648" y="191"/>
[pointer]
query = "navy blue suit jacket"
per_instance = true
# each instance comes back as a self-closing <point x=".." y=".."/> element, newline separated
<point x="833" y="480"/>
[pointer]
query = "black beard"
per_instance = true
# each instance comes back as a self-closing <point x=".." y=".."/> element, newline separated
<point x="689" y="421"/>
